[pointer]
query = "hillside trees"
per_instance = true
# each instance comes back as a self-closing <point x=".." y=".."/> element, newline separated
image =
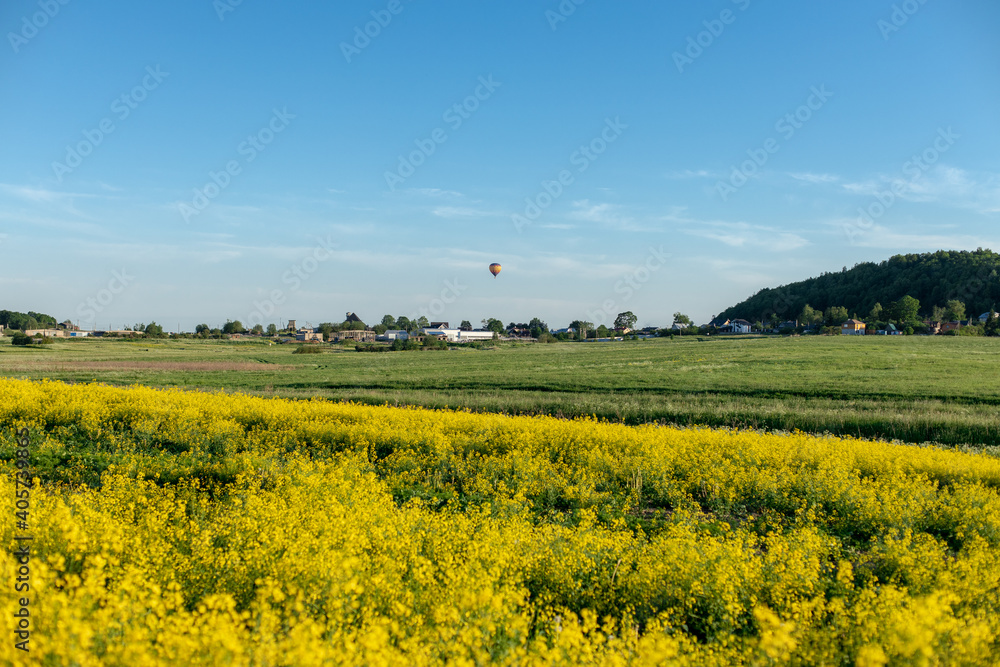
<point x="30" y="320"/>
<point x="972" y="277"/>
<point x="954" y="310"/>
<point x="834" y="316"/>
<point x="810" y="316"/>
<point x="905" y="309"/>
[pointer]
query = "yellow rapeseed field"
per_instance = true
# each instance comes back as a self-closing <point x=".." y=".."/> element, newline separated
<point x="185" y="528"/>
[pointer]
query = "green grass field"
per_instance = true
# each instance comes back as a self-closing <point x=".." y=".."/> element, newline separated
<point x="914" y="389"/>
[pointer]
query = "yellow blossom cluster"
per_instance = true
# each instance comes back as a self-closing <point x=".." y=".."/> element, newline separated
<point x="173" y="527"/>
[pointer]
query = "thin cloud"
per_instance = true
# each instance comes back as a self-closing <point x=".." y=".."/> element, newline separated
<point x="942" y="184"/>
<point x="606" y="215"/>
<point x="690" y="173"/>
<point x="435" y="192"/>
<point x="745" y="235"/>
<point x="39" y="194"/>
<point x="815" y="178"/>
<point x="461" y="212"/>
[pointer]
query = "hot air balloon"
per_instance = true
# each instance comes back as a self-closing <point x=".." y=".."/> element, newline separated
<point x="494" y="269"/>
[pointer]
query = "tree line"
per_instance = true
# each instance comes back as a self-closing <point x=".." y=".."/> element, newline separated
<point x="934" y="279"/>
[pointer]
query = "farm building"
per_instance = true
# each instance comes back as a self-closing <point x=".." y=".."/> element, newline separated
<point x="361" y="336"/>
<point x="853" y="327"/>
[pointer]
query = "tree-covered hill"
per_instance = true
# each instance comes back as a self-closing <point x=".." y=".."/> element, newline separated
<point x="931" y="278"/>
<point x="30" y="320"/>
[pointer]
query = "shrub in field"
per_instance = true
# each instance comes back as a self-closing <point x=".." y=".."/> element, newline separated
<point x="370" y="347"/>
<point x="179" y="527"/>
<point x="20" y="338"/>
<point x="308" y="349"/>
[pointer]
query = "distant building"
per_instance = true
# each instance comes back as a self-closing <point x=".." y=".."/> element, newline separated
<point x="46" y="333"/>
<point x="291" y="325"/>
<point x="394" y="334"/>
<point x="735" y="327"/>
<point x="719" y="322"/>
<point x="519" y="332"/>
<point x="438" y="325"/>
<point x="985" y="317"/>
<point x="459" y="335"/>
<point x="359" y="335"/>
<point x="853" y="327"/>
<point x="307" y="336"/>
<point x="351" y="317"/>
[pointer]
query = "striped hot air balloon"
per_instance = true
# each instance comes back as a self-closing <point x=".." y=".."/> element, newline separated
<point x="494" y="269"/>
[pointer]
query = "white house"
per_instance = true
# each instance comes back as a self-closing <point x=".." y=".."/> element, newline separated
<point x="736" y="327"/>
<point x="459" y="336"/>
<point x="393" y="334"/>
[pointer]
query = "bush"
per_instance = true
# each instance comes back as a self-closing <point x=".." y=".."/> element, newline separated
<point x="435" y="343"/>
<point x="370" y="347"/>
<point x="308" y="349"/>
<point x="400" y="345"/>
<point x="20" y="338"/>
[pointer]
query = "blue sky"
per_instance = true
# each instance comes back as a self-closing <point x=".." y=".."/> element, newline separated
<point x="200" y="161"/>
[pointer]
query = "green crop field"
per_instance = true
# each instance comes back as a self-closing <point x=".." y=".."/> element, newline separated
<point x="915" y="389"/>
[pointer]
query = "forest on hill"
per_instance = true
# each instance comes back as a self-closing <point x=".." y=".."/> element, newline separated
<point x="934" y="279"/>
<point x="31" y="320"/>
